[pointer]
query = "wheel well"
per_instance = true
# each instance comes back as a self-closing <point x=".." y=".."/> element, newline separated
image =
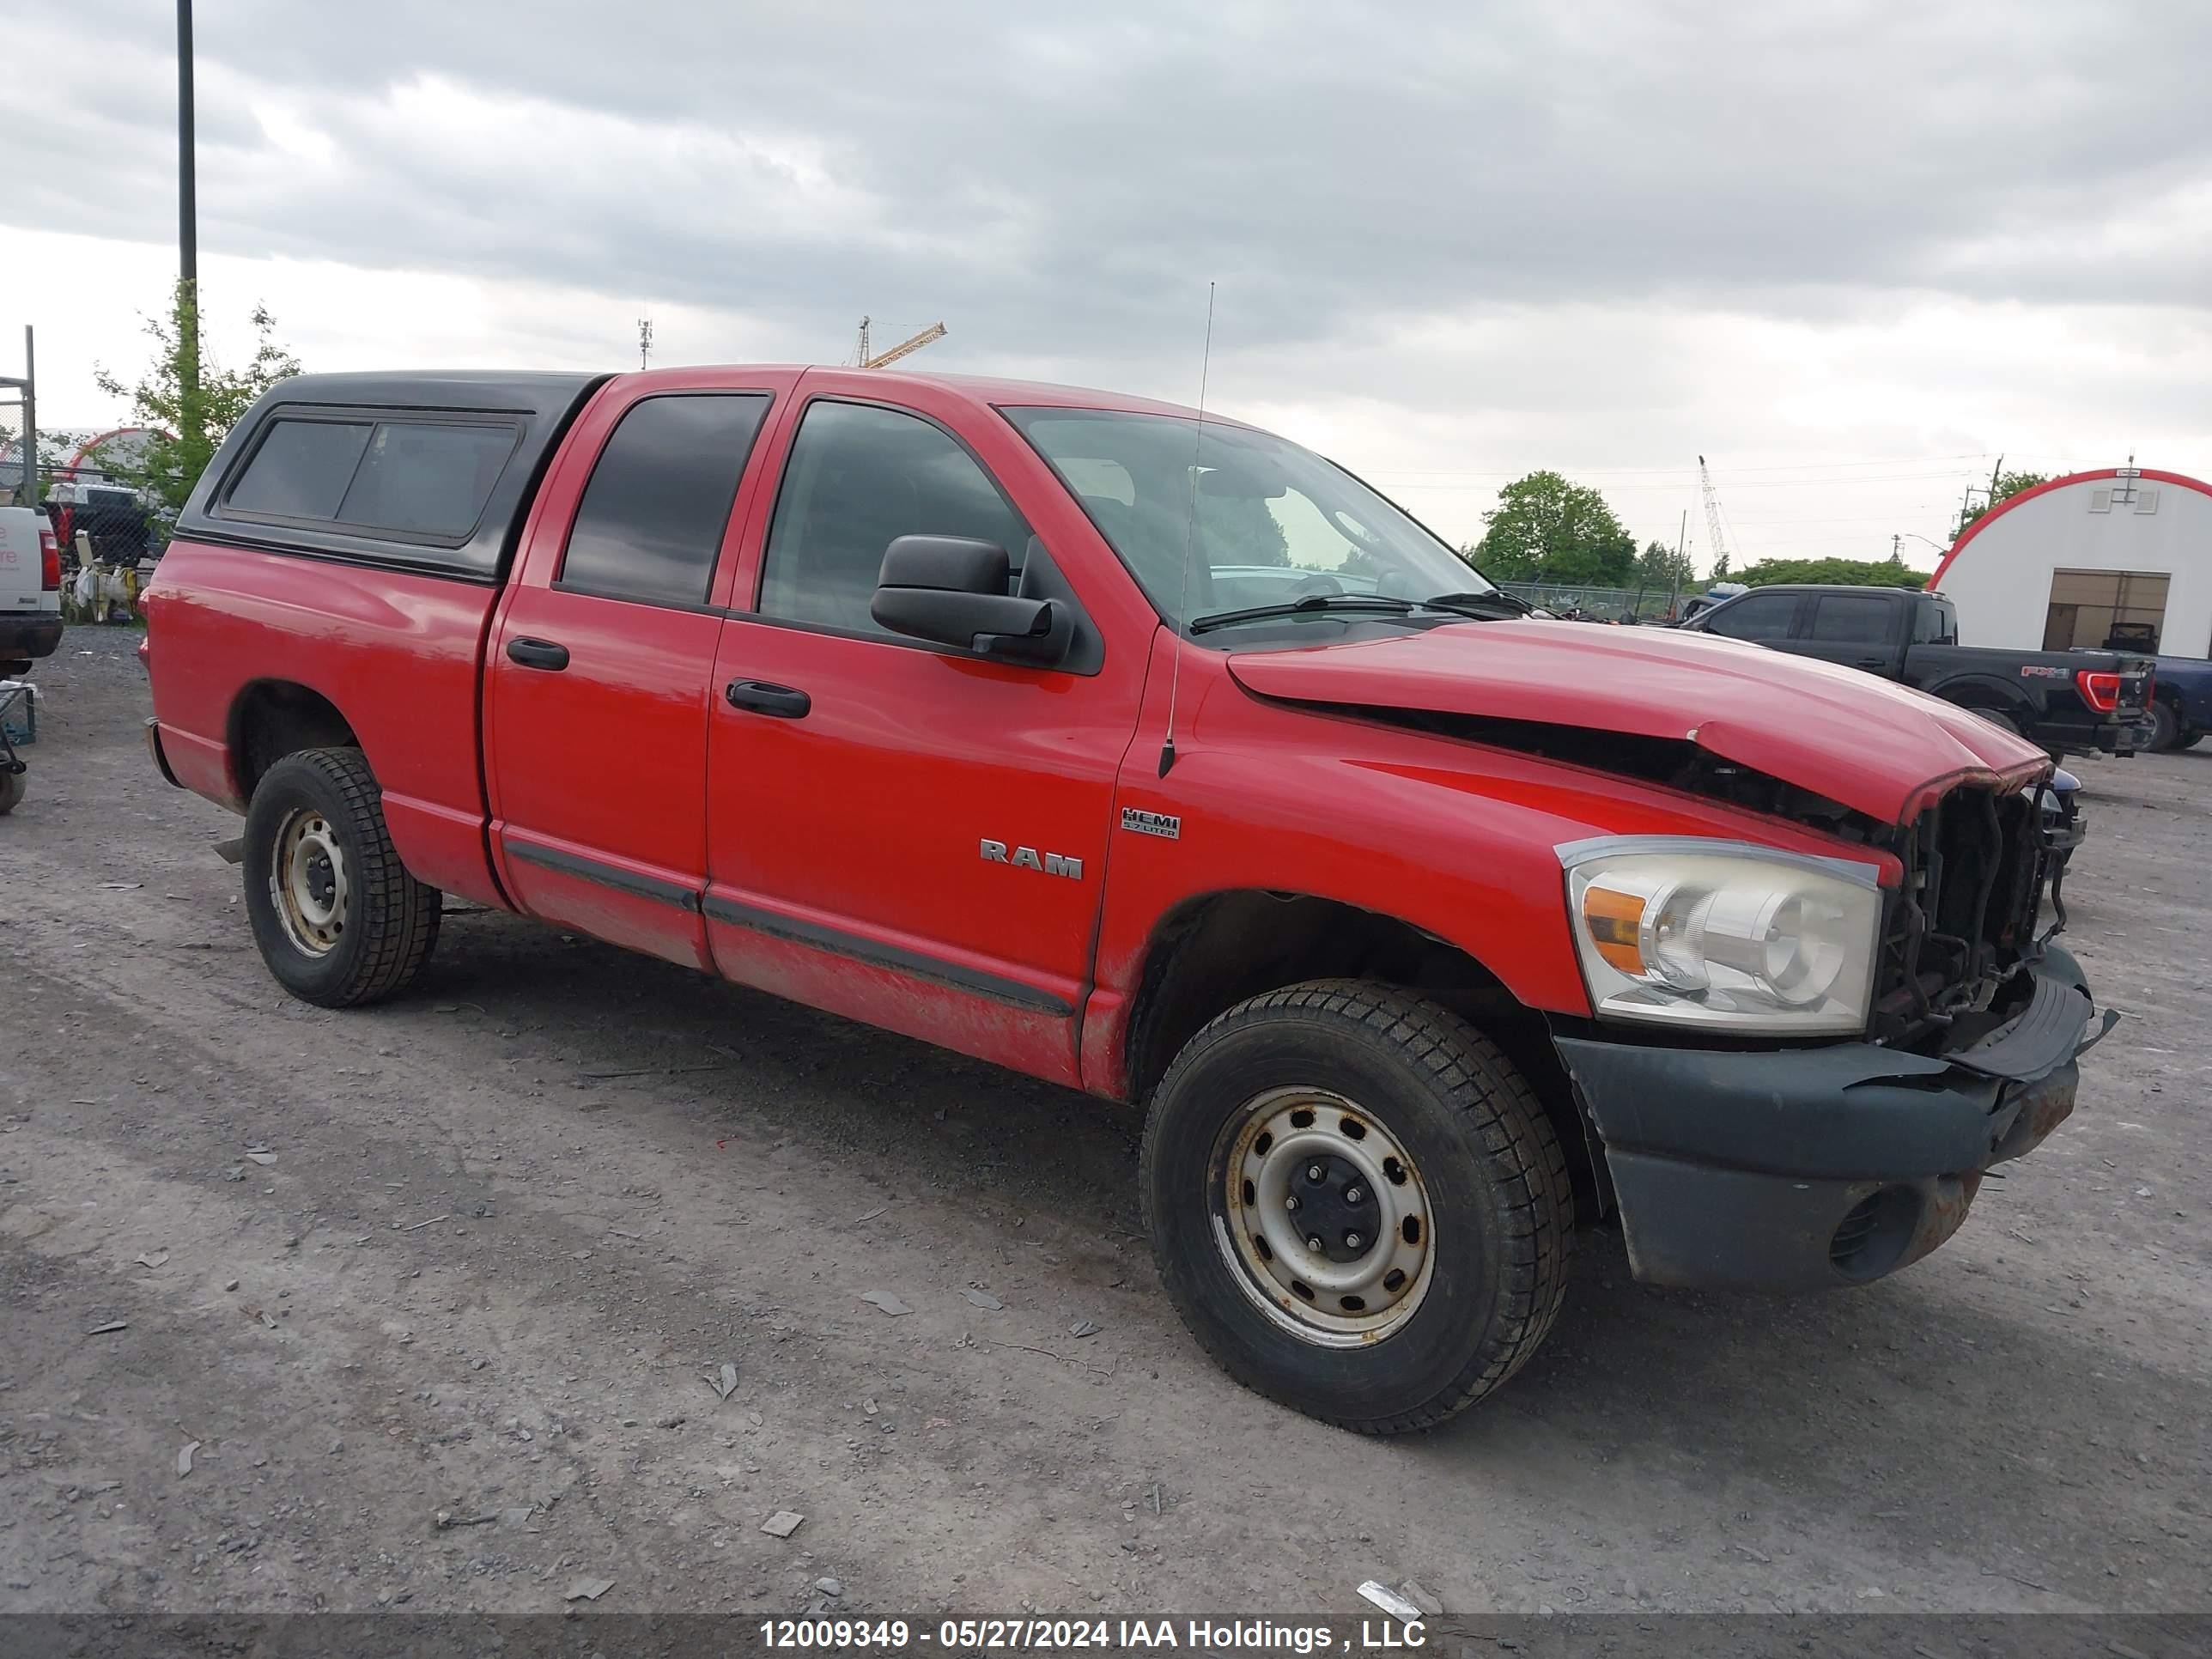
<point x="1983" y="697"/>
<point x="272" y="719"/>
<point x="1213" y="952"/>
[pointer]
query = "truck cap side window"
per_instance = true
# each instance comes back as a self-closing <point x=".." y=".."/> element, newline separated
<point x="651" y="522"/>
<point x="427" y="478"/>
<point x="419" y="477"/>
<point x="1755" y="616"/>
<point x="859" y="476"/>
<point x="302" y="469"/>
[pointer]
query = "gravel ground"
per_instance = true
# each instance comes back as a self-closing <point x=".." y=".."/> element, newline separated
<point x="433" y="1292"/>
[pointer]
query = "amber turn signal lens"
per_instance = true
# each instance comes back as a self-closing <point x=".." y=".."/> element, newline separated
<point x="1613" y="920"/>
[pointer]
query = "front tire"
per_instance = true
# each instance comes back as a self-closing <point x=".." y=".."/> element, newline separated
<point x="1358" y="1205"/>
<point x="338" y="918"/>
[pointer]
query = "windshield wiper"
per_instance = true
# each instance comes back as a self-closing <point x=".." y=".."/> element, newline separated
<point x="1312" y="603"/>
<point x="1494" y="605"/>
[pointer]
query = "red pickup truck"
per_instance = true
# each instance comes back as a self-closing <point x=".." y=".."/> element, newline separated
<point x="1155" y="756"/>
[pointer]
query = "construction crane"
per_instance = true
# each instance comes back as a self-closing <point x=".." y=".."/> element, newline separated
<point x="1712" y="517"/>
<point x="865" y="359"/>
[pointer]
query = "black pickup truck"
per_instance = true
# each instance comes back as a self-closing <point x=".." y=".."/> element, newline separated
<point x="2071" y="702"/>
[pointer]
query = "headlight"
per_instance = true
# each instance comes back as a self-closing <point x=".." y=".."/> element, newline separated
<point x="1722" y="935"/>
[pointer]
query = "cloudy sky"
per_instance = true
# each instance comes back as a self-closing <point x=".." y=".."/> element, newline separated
<point x="1850" y="250"/>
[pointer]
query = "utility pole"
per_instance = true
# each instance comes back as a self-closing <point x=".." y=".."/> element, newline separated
<point x="29" y="385"/>
<point x="30" y="494"/>
<point x="188" y="235"/>
<point x="1681" y="538"/>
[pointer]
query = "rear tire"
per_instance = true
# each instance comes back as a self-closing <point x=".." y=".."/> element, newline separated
<point x="1995" y="717"/>
<point x="1413" y="1118"/>
<point x="2164" y="728"/>
<point x="338" y="918"/>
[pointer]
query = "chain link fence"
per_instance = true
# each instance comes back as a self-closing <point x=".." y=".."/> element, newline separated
<point x="108" y="533"/>
<point x="1601" y="604"/>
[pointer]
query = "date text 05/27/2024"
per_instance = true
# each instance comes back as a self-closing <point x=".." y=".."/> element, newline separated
<point x="996" y="1635"/>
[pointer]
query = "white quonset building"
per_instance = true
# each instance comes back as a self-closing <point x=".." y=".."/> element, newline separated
<point x="2087" y="558"/>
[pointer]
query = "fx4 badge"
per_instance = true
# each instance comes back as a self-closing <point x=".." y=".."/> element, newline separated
<point x="1166" y="825"/>
<point x="1026" y="858"/>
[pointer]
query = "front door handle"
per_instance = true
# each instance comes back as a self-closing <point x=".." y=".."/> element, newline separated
<point x="538" y="653"/>
<point x="783" y="702"/>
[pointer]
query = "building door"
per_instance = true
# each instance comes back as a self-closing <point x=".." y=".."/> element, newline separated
<point x="2088" y="607"/>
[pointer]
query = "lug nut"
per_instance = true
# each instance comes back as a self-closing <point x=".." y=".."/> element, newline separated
<point x="1352" y="1241"/>
<point x="1353" y="1194"/>
<point x="1315" y="1172"/>
<point x="1292" y="1202"/>
<point x="1315" y="1245"/>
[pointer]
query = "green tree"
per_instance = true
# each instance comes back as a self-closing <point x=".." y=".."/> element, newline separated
<point x="1720" y="569"/>
<point x="187" y="403"/>
<point x="1855" y="573"/>
<point x="1660" y="568"/>
<point x="1240" y="530"/>
<point x="1546" y="529"/>
<point x="2008" y="485"/>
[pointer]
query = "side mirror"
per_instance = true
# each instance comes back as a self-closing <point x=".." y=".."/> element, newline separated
<point x="951" y="590"/>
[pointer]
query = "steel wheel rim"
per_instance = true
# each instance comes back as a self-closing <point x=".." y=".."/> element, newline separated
<point x="307" y="882"/>
<point x="1267" y="1155"/>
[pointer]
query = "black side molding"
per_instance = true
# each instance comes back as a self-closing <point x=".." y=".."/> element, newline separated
<point x="1012" y="992"/>
<point x="606" y="875"/>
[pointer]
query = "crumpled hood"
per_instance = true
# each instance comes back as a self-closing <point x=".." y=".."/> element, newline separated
<point x="1876" y="747"/>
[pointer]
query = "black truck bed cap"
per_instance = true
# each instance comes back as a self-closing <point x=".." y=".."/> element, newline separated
<point x="536" y="407"/>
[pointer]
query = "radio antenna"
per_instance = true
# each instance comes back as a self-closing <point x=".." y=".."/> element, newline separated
<point x="1189" y="539"/>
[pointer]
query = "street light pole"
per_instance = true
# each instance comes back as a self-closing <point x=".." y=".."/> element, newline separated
<point x="188" y="239"/>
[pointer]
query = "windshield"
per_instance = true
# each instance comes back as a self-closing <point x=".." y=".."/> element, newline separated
<point x="1274" y="524"/>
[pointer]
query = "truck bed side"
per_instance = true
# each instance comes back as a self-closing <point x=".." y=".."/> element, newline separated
<point x="2047" y="683"/>
<point x="319" y="623"/>
<point x="246" y="657"/>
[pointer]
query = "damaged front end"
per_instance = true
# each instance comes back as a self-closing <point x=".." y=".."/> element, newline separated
<point x="1792" y="1168"/>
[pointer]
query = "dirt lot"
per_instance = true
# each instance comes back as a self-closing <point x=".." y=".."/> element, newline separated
<point x="474" y="1256"/>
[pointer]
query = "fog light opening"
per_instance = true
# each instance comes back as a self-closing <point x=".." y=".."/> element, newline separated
<point x="1870" y="1240"/>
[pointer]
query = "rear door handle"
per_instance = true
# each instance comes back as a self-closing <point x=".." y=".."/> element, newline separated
<point x="538" y="653"/>
<point x="1874" y="662"/>
<point x="784" y="702"/>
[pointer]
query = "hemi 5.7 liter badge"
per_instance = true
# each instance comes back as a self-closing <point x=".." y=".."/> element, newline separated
<point x="1163" y="825"/>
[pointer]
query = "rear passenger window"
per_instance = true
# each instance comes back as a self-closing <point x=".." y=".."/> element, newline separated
<point x="1934" y="622"/>
<point x="302" y="469"/>
<point x="653" y="516"/>
<point x="1847" y="619"/>
<point x="1756" y="617"/>
<point x="857" y="479"/>
<point x="424" y="479"/>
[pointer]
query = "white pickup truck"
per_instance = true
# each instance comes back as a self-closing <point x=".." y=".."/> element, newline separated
<point x="30" y="589"/>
